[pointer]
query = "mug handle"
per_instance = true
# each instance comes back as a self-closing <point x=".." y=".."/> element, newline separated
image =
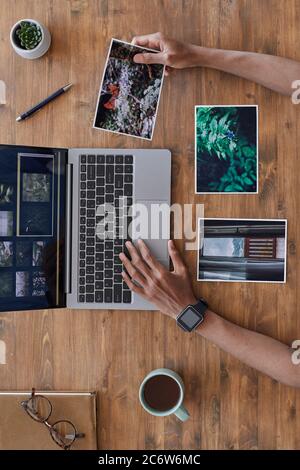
<point x="182" y="413"/>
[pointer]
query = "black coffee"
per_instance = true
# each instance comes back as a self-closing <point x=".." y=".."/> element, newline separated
<point x="161" y="393"/>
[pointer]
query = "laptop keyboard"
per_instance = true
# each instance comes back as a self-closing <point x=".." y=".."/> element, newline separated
<point x="104" y="179"/>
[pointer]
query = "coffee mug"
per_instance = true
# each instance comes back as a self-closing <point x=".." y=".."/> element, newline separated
<point x="175" y="408"/>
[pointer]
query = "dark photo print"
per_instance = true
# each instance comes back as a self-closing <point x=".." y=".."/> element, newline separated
<point x="23" y="254"/>
<point x="6" y="194"/>
<point x="6" y="284"/>
<point x="36" y="219"/>
<point x="226" y="155"/>
<point x="129" y="93"/>
<point x="37" y="253"/>
<point x="36" y="187"/>
<point x="6" y="254"/>
<point x="38" y="284"/>
<point x="6" y="223"/>
<point x="22" y="284"/>
<point x="242" y="250"/>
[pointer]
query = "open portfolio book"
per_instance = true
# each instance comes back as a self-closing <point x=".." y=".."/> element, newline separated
<point x="19" y="432"/>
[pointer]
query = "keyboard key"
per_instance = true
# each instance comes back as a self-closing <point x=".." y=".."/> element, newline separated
<point x="91" y="213"/>
<point x="82" y="263"/>
<point x="117" y="293"/>
<point x="107" y="295"/>
<point x="109" y="198"/>
<point x="82" y="237"/>
<point x="128" y="168"/>
<point x="81" y="298"/>
<point x="91" y="203"/>
<point x="99" y="297"/>
<point x="81" y="272"/>
<point x="82" y="203"/>
<point x="90" y="298"/>
<point x="108" y="255"/>
<point x="91" y="172"/>
<point x="99" y="256"/>
<point x="119" y="168"/>
<point x="99" y="276"/>
<point x="83" y="168"/>
<point x="119" y="158"/>
<point x="128" y="159"/>
<point x="83" y="177"/>
<point x="100" y="170"/>
<point x="90" y="269"/>
<point x="108" y="264"/>
<point x="81" y="289"/>
<point x="91" y="159"/>
<point x="127" y="297"/>
<point x="83" y="185"/>
<point x="118" y="269"/>
<point x="118" y="279"/>
<point x="91" y="185"/>
<point x="109" y="159"/>
<point x="128" y="178"/>
<point x="89" y="260"/>
<point x="100" y="246"/>
<point x="108" y="283"/>
<point x="108" y="273"/>
<point x="119" y="181"/>
<point x="100" y="181"/>
<point x="109" y="188"/>
<point x="100" y="159"/>
<point x="127" y="190"/>
<point x="90" y="280"/>
<point x="83" y="158"/>
<point x="81" y="281"/>
<point x="90" y="251"/>
<point x="99" y="285"/>
<point x="90" y="232"/>
<point x="109" y="174"/>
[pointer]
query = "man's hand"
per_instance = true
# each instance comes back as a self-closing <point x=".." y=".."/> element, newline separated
<point x="171" y="292"/>
<point x="172" y="53"/>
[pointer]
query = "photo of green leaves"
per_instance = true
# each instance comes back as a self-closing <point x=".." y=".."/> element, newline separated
<point x="226" y="149"/>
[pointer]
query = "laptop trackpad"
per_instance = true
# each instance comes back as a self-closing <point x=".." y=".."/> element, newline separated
<point x="151" y="222"/>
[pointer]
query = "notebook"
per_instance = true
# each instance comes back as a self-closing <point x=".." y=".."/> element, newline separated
<point x="19" y="432"/>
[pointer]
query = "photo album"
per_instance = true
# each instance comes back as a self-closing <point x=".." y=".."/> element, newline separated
<point x="226" y="149"/>
<point x="129" y="93"/>
<point x="31" y="227"/>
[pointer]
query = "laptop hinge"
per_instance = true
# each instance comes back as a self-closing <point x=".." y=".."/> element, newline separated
<point x="68" y="236"/>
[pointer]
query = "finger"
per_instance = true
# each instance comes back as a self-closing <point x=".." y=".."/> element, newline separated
<point x="147" y="40"/>
<point x="137" y="261"/>
<point x="148" y="257"/>
<point x="132" y="271"/>
<point x="177" y="261"/>
<point x="150" y="58"/>
<point x="131" y="285"/>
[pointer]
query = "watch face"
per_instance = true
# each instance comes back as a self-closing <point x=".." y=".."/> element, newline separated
<point x="189" y="319"/>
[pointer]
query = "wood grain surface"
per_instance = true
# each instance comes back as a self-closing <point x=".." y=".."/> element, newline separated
<point x="231" y="405"/>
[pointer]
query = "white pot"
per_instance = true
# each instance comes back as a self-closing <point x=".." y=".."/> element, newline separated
<point x="39" y="50"/>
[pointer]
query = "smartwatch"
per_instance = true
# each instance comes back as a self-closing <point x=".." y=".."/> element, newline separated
<point x="192" y="316"/>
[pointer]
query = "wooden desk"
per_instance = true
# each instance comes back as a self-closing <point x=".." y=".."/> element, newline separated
<point x="232" y="406"/>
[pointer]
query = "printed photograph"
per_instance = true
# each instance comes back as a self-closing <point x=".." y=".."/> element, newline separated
<point x="36" y="187"/>
<point x="6" y="284"/>
<point x="37" y="253"/>
<point x="226" y="151"/>
<point x="38" y="284"/>
<point x="22" y="284"/>
<point x="242" y="250"/>
<point x="6" y="223"/>
<point x="6" y="254"/>
<point x="129" y="94"/>
<point x="23" y="254"/>
<point x="36" y="220"/>
<point x="6" y="194"/>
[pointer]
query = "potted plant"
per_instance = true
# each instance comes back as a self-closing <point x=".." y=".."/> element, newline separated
<point x="30" y="39"/>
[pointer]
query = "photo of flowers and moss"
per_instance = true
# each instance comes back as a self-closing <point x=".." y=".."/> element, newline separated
<point x="129" y="94"/>
<point x="226" y="149"/>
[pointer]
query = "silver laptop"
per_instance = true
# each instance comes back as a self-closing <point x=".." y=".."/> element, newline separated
<point x="65" y="216"/>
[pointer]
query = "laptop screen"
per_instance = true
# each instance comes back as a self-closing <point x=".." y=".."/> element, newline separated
<point x="32" y="227"/>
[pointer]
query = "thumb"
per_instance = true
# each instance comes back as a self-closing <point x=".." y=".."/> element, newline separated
<point x="175" y="257"/>
<point x="149" y="58"/>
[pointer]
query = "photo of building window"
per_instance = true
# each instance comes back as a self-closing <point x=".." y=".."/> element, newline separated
<point x="242" y="250"/>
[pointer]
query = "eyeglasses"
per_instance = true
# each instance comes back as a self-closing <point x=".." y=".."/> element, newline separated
<point x="39" y="408"/>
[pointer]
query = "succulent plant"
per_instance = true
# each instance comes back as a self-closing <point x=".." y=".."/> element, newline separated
<point x="29" y="35"/>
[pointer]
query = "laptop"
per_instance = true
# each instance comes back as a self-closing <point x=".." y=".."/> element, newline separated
<point x="65" y="215"/>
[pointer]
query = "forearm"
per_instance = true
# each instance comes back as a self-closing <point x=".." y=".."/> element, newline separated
<point x="261" y="352"/>
<point x="275" y="73"/>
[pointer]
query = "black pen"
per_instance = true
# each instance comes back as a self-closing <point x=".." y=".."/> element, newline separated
<point x="43" y="103"/>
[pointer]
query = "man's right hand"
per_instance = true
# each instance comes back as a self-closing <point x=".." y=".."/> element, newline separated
<point x="173" y="54"/>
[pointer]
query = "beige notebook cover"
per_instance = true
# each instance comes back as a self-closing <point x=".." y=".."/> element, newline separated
<point x="19" y="431"/>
